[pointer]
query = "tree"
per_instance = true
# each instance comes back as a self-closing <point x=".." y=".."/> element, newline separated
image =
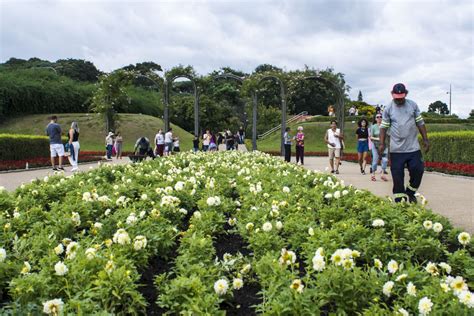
<point x="438" y="107"/>
<point x="111" y="97"/>
<point x="77" y="69"/>
<point x="471" y="115"/>
<point x="359" y="97"/>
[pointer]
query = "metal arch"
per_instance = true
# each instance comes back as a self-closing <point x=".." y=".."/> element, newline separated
<point x="167" y="85"/>
<point x="339" y="98"/>
<point x="254" y="107"/>
<point x="283" y="107"/>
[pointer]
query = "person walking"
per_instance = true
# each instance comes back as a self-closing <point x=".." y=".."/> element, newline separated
<point x="196" y="143"/>
<point x="118" y="145"/>
<point x="168" y="142"/>
<point x="176" y="148"/>
<point x="229" y="140"/>
<point x="404" y="119"/>
<point x="333" y="139"/>
<point x="213" y="143"/>
<point x="159" y="143"/>
<point x="74" y="146"/>
<point x="362" y="135"/>
<point x="206" y="138"/>
<point x="109" y="143"/>
<point x="241" y="135"/>
<point x="56" y="147"/>
<point x="287" y="144"/>
<point x="299" y="138"/>
<point x="375" y="139"/>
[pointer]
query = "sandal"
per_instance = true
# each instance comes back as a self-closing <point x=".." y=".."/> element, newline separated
<point x="384" y="178"/>
<point x="373" y="178"/>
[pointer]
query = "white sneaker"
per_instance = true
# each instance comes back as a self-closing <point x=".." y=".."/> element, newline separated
<point x="74" y="169"/>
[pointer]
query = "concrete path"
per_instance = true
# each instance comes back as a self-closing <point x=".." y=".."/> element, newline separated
<point x="450" y="196"/>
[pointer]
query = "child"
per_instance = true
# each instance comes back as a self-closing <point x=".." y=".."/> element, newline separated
<point x="176" y="145"/>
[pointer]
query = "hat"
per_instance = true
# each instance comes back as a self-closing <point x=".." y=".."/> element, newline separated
<point x="110" y="133"/>
<point x="399" y="91"/>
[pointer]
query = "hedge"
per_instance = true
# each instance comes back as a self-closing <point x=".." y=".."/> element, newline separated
<point x="453" y="146"/>
<point x="19" y="147"/>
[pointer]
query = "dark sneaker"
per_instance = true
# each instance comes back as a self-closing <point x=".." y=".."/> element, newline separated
<point x="412" y="199"/>
<point x="385" y="172"/>
<point x="370" y="169"/>
<point x="332" y="171"/>
<point x="55" y="169"/>
<point x="61" y="168"/>
<point x="337" y="171"/>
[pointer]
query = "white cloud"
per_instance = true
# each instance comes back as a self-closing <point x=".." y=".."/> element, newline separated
<point x="425" y="44"/>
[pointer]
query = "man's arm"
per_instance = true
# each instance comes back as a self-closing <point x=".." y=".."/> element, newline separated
<point x="420" y="123"/>
<point x="383" y="130"/>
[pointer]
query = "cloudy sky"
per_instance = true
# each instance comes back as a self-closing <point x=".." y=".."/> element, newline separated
<point x="427" y="44"/>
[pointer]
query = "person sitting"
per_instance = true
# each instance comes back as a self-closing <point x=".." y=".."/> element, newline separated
<point x="142" y="149"/>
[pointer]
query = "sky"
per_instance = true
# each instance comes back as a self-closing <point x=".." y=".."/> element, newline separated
<point x="426" y="44"/>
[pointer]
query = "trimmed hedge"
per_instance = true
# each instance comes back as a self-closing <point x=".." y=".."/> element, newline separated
<point x="455" y="147"/>
<point x="19" y="147"/>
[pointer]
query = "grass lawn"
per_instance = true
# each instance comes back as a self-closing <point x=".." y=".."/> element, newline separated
<point x="92" y="131"/>
<point x="314" y="135"/>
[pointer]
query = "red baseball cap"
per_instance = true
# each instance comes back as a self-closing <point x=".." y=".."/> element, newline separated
<point x="399" y="91"/>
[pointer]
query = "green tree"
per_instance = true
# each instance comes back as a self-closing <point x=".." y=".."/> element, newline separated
<point x="471" y="115"/>
<point x="359" y="97"/>
<point x="110" y="97"/>
<point x="438" y="107"/>
<point x="77" y="69"/>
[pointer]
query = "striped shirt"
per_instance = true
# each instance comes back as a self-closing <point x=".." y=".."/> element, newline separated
<point x="402" y="121"/>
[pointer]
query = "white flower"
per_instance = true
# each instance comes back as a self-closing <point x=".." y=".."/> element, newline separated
<point x="287" y="257"/>
<point x="424" y="306"/>
<point x="3" y="254"/>
<point x="144" y="197"/>
<point x="403" y="312"/>
<point x="432" y="269"/>
<point x="267" y="227"/>
<point x="183" y="211"/>
<point x="71" y="250"/>
<point x="437" y="227"/>
<point x="53" y="307"/>
<point x="345" y="192"/>
<point x="249" y="226"/>
<point x="348" y="264"/>
<point x="401" y="277"/>
<point x="26" y="268"/>
<point x="197" y="215"/>
<point x="392" y="266"/>
<point x="445" y="287"/>
<point x="121" y="237"/>
<point x="232" y="221"/>
<point x="221" y="287"/>
<point x="131" y="219"/>
<point x="278" y="225"/>
<point x="179" y="186"/>
<point x="318" y="263"/>
<point x="59" y="249"/>
<point x="246" y="269"/>
<point x="76" y="218"/>
<point x="428" y="225"/>
<point x="98" y="225"/>
<point x="297" y="285"/>
<point x="107" y="212"/>
<point x="142" y="214"/>
<point x="337" y="194"/>
<point x="90" y="253"/>
<point x="60" y="268"/>
<point x="458" y="285"/>
<point x="446" y="267"/>
<point x="378" y="223"/>
<point x="411" y="289"/>
<point x="139" y="243"/>
<point x="387" y="288"/>
<point x="237" y="284"/>
<point x="16" y="214"/>
<point x="328" y="196"/>
<point x="311" y="231"/>
<point x="86" y="196"/>
<point x="464" y="238"/>
<point x="467" y="298"/>
<point x="378" y="264"/>
<point x="109" y="266"/>
<point x="211" y="201"/>
<point x="286" y="189"/>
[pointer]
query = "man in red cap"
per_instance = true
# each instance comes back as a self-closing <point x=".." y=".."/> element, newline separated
<point x="404" y="119"/>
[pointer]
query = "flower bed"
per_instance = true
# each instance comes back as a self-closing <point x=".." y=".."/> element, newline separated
<point x="231" y="232"/>
<point x="84" y="156"/>
<point x="464" y="169"/>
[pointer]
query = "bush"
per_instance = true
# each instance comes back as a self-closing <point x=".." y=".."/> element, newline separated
<point x="18" y="147"/>
<point x="451" y="147"/>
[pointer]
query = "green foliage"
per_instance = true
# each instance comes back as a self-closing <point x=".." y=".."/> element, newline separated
<point x="451" y="147"/>
<point x="12" y="146"/>
<point x="471" y="114"/>
<point x="438" y="107"/>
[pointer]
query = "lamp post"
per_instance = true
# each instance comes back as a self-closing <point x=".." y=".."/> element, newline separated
<point x="450" y="94"/>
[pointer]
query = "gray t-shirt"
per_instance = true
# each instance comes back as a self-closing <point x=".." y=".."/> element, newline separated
<point x="53" y="130"/>
<point x="402" y="121"/>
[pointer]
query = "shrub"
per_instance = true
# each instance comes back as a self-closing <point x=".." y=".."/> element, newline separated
<point x="455" y="147"/>
<point x="18" y="147"/>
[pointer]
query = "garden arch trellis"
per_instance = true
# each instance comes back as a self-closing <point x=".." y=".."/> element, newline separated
<point x="167" y="85"/>
<point x="254" y="107"/>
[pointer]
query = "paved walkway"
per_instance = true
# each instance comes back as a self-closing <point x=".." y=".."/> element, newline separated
<point x="450" y="196"/>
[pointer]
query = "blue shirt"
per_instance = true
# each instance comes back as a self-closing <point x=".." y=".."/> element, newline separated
<point x="53" y="130"/>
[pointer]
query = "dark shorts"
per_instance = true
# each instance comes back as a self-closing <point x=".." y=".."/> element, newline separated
<point x="362" y="146"/>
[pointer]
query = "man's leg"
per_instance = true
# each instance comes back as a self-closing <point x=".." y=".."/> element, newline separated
<point x="415" y="169"/>
<point x="398" y="175"/>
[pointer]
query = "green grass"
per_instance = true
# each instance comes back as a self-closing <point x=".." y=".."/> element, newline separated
<point x="92" y="131"/>
<point x="315" y="131"/>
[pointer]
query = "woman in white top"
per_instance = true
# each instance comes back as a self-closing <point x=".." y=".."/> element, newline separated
<point x="159" y="143"/>
<point x="333" y="139"/>
<point x="109" y="143"/>
<point x="169" y="142"/>
<point x="206" y="139"/>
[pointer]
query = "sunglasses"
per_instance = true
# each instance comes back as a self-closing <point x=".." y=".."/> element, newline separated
<point x="378" y="117"/>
